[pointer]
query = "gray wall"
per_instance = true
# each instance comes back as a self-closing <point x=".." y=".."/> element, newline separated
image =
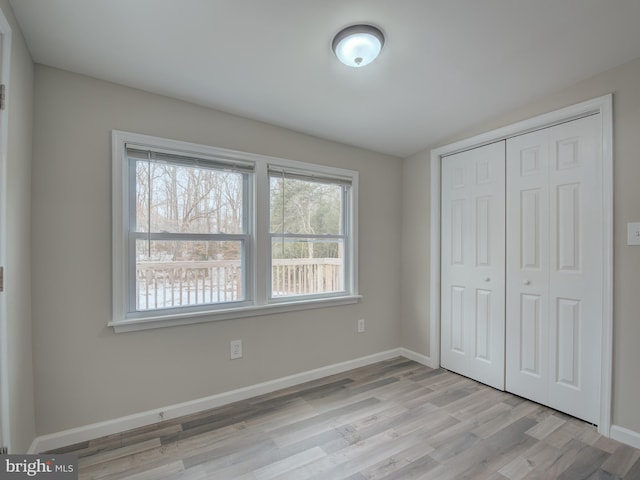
<point x="416" y="191"/>
<point x="85" y="373"/>
<point x="624" y="82"/>
<point x="18" y="269"/>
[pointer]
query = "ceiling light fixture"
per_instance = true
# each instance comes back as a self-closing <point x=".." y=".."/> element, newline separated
<point x="358" y="45"/>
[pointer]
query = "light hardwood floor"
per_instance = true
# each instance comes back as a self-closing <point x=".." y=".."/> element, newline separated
<point x="391" y="420"/>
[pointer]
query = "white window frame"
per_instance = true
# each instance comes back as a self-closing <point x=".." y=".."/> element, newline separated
<point x="258" y="261"/>
<point x="134" y="235"/>
<point x="310" y="175"/>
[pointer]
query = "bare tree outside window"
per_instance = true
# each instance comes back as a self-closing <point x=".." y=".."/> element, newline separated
<point x="307" y="236"/>
<point x="186" y="204"/>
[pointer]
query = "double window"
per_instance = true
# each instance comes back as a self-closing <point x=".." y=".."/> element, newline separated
<point x="202" y="233"/>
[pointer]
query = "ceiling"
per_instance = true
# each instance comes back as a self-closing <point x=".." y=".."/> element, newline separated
<point x="447" y="64"/>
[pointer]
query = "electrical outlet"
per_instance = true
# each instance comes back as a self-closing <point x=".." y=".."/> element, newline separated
<point x="361" y="325"/>
<point x="633" y="233"/>
<point x="235" y="349"/>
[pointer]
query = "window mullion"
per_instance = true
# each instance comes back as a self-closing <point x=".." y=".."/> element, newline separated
<point x="347" y="242"/>
<point x="262" y="277"/>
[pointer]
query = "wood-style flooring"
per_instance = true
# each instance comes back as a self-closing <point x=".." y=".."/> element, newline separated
<point x="391" y="420"/>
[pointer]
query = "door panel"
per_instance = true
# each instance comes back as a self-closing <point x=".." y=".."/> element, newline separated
<point x="568" y="229"/>
<point x="575" y="279"/>
<point x="527" y="252"/>
<point x="530" y="344"/>
<point x="457" y="319"/>
<point x="472" y="322"/>
<point x="554" y="255"/>
<point x="568" y="342"/>
<point x="530" y="237"/>
<point x="483" y="325"/>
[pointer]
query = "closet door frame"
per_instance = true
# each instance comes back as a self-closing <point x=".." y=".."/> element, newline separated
<point x="601" y="105"/>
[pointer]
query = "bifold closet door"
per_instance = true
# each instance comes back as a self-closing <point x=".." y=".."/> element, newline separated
<point x="554" y="267"/>
<point x="473" y="264"/>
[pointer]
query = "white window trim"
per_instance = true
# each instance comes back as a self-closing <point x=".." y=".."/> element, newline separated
<point x="260" y="261"/>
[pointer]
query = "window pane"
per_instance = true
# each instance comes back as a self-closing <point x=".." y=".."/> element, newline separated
<point x="306" y="267"/>
<point x="305" y="207"/>
<point x="186" y="273"/>
<point x="188" y="199"/>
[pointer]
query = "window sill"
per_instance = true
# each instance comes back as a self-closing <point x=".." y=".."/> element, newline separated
<point x="133" y="325"/>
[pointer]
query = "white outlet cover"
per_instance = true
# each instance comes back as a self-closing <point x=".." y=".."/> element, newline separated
<point x="235" y="347"/>
<point x="633" y="233"/>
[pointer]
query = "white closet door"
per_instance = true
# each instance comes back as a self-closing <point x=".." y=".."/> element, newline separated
<point x="554" y="267"/>
<point x="528" y="266"/>
<point x="473" y="269"/>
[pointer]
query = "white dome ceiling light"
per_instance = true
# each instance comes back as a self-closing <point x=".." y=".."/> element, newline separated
<point x="358" y="45"/>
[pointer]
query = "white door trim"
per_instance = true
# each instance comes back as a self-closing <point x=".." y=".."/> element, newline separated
<point x="5" y="433"/>
<point x="602" y="105"/>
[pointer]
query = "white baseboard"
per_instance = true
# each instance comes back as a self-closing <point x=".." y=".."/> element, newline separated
<point x="117" y="425"/>
<point x="417" y="357"/>
<point x="96" y="430"/>
<point x="625" y="435"/>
